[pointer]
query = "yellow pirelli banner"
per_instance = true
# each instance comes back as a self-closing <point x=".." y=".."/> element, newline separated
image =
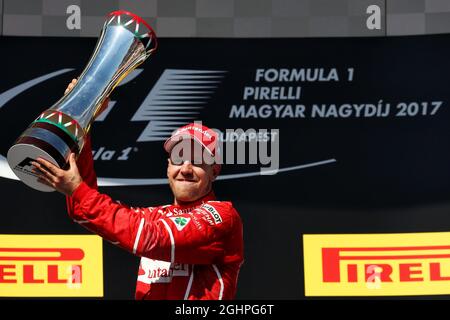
<point x="51" y="266"/>
<point x="377" y="264"/>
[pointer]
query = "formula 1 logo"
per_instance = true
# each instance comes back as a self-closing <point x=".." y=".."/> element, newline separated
<point x="177" y="97"/>
<point x="399" y="264"/>
<point x="32" y="266"/>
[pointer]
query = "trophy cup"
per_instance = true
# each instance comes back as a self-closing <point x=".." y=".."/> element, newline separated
<point x="126" y="40"/>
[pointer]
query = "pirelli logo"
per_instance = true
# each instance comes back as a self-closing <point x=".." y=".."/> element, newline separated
<point x="51" y="266"/>
<point x="377" y="264"/>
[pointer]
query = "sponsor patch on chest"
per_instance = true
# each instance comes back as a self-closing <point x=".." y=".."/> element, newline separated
<point x="213" y="213"/>
<point x="180" y="222"/>
<point x="155" y="271"/>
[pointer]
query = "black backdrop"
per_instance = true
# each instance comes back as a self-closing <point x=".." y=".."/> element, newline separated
<point x="390" y="173"/>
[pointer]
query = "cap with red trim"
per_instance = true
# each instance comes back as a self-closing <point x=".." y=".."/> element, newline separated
<point x="205" y="136"/>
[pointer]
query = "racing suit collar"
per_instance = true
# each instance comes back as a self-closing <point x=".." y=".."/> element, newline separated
<point x="208" y="197"/>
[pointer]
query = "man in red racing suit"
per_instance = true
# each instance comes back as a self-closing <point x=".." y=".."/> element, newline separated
<point x="189" y="250"/>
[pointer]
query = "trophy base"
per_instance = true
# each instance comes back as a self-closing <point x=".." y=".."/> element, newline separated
<point x="44" y="140"/>
<point x="19" y="159"/>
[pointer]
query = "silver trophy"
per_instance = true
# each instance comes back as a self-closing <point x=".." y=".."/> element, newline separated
<point x="126" y="40"/>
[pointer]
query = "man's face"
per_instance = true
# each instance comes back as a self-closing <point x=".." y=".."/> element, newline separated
<point x="189" y="181"/>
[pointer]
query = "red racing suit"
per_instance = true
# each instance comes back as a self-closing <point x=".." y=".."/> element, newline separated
<point x="187" y="252"/>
